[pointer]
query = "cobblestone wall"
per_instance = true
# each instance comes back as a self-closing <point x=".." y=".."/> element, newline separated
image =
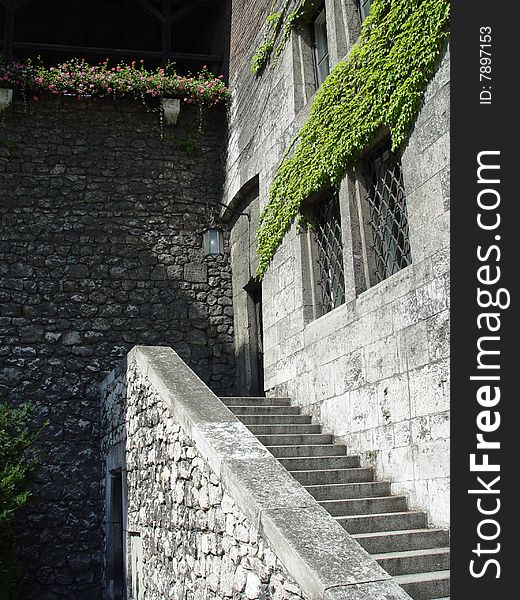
<point x="100" y="249"/>
<point x="196" y="543"/>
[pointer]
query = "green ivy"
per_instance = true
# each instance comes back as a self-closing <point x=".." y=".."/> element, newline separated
<point x="187" y="143"/>
<point x="263" y="52"/>
<point x="278" y="27"/>
<point x="381" y="83"/>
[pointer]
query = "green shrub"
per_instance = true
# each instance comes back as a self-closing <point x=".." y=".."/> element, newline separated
<point x="16" y="472"/>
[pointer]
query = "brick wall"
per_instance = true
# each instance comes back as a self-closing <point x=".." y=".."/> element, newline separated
<point x="247" y="19"/>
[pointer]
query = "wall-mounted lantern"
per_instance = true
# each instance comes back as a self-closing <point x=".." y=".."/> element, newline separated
<point x="212" y="237"/>
<point x="213" y="241"/>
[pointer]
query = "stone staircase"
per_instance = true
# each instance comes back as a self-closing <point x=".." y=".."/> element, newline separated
<point x="416" y="556"/>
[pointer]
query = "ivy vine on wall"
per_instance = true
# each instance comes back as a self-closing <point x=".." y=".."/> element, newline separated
<point x="381" y="83"/>
<point x="278" y="27"/>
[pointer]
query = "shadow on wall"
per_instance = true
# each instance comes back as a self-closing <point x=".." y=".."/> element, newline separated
<point x="100" y="250"/>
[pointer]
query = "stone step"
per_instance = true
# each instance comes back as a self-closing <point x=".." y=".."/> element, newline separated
<point x="295" y="440"/>
<point x="383" y="522"/>
<point x="296" y="429"/>
<point x="275" y="419"/>
<point x="337" y="491"/>
<point x="265" y="410"/>
<point x="333" y="476"/>
<point x="417" y="557"/>
<point x="414" y="561"/>
<point x="425" y="586"/>
<point x="254" y="401"/>
<point x="306" y="451"/>
<point x="398" y="541"/>
<point x="318" y="463"/>
<point x="365" y="506"/>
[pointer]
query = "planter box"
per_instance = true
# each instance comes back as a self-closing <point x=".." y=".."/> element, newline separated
<point x="171" y="108"/>
<point x="6" y="97"/>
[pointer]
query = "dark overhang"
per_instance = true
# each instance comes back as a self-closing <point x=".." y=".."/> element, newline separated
<point x="188" y="32"/>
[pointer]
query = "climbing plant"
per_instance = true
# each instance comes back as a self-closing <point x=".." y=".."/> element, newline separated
<point x="277" y="31"/>
<point x="381" y="83"/>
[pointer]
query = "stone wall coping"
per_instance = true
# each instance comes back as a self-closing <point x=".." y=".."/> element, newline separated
<point x="324" y="560"/>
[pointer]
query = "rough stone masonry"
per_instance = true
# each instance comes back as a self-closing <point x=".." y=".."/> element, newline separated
<point x="100" y="249"/>
<point x="194" y="541"/>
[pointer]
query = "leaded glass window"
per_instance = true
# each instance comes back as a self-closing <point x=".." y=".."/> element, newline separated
<point x="388" y="214"/>
<point x="364" y="8"/>
<point x="329" y="253"/>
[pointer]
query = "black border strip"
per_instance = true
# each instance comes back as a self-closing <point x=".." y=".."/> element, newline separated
<point x="478" y="127"/>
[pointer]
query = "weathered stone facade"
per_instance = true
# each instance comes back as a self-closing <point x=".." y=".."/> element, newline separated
<point x="194" y="540"/>
<point x="100" y="249"/>
<point x="374" y="371"/>
<point x="197" y="507"/>
<point x="247" y="17"/>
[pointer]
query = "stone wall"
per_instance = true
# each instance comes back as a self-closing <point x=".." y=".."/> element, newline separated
<point x="375" y="371"/>
<point x="194" y="540"/>
<point x="247" y="18"/>
<point x="206" y="511"/>
<point x="100" y="249"/>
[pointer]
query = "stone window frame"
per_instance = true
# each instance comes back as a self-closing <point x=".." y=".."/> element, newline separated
<point x="321" y="50"/>
<point x="364" y="266"/>
<point x="312" y="306"/>
<point x="358" y="259"/>
<point x="116" y="469"/>
<point x="343" y="23"/>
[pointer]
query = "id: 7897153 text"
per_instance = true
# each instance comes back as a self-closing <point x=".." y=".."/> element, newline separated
<point x="485" y="65"/>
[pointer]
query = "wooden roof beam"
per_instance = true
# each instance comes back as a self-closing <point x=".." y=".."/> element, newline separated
<point x="120" y="52"/>
<point x="151" y="10"/>
<point x="180" y="13"/>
